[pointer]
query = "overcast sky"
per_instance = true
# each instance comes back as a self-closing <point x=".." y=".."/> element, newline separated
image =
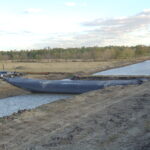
<point x="27" y="24"/>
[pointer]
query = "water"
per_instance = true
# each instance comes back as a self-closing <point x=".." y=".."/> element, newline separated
<point x="142" y="68"/>
<point x="12" y="104"/>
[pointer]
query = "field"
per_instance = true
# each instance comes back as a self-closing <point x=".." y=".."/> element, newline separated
<point x="71" y="67"/>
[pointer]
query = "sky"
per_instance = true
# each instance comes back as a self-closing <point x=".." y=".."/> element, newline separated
<point x="34" y="24"/>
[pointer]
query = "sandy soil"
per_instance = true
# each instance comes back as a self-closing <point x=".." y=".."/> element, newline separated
<point x="109" y="119"/>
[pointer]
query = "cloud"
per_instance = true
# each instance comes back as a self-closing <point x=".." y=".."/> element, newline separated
<point x="122" y="24"/>
<point x="70" y="4"/>
<point x="32" y="10"/>
<point x="40" y="30"/>
<point x="146" y="11"/>
<point x="19" y="31"/>
<point x="126" y="30"/>
<point x="120" y="31"/>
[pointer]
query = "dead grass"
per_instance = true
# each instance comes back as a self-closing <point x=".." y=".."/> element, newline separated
<point x="70" y="67"/>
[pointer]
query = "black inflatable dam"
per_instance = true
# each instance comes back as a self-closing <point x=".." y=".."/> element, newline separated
<point x="66" y="87"/>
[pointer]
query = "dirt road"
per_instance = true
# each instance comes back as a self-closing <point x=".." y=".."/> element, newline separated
<point x="109" y="119"/>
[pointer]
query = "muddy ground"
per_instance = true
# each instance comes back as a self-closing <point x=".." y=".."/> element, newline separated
<point x="109" y="119"/>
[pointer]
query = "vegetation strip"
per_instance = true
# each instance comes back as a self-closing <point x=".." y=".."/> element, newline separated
<point x="78" y="54"/>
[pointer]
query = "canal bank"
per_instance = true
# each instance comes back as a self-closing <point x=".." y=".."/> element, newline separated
<point x="112" y="118"/>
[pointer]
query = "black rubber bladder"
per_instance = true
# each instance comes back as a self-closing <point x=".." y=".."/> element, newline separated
<point x="66" y="87"/>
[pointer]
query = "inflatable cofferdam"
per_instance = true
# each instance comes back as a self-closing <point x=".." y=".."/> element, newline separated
<point x="66" y="87"/>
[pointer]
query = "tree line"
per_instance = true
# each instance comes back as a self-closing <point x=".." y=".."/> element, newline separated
<point x="84" y="53"/>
